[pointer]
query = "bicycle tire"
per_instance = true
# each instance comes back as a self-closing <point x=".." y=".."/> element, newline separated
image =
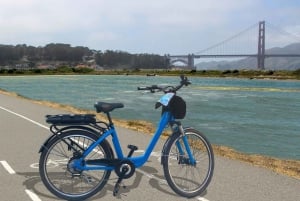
<point x="59" y="180"/>
<point x="186" y="179"/>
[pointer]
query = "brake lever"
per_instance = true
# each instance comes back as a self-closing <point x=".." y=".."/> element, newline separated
<point x="184" y="81"/>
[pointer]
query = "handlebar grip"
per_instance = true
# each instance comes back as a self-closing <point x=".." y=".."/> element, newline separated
<point x="184" y="80"/>
<point x="149" y="88"/>
<point x="143" y="88"/>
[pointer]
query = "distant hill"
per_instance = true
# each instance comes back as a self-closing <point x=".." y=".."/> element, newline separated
<point x="53" y="55"/>
<point x="273" y="63"/>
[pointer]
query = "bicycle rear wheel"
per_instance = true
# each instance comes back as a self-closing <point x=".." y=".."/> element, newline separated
<point x="185" y="178"/>
<point x="57" y="173"/>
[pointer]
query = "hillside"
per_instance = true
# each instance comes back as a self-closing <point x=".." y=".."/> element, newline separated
<point x="273" y="63"/>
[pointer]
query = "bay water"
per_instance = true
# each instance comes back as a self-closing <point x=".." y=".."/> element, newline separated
<point x="251" y="116"/>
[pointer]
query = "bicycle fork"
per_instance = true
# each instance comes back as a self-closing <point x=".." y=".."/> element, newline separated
<point x="185" y="155"/>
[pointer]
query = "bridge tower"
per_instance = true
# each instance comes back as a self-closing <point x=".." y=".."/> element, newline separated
<point x="191" y="61"/>
<point x="261" y="46"/>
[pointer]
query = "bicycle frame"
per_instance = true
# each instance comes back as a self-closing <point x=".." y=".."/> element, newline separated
<point x="79" y="143"/>
<point x="138" y="161"/>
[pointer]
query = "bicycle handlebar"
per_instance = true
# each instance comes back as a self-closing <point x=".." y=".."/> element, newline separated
<point x="154" y="88"/>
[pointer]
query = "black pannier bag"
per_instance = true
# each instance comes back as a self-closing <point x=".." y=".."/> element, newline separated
<point x="177" y="107"/>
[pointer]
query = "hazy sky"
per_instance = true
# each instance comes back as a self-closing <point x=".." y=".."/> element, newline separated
<point x="139" y="26"/>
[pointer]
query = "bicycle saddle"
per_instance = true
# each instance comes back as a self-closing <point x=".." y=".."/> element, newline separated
<point x="107" y="107"/>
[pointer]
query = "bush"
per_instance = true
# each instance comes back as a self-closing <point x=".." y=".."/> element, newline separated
<point x="63" y="69"/>
<point x="297" y="72"/>
<point x="270" y="72"/>
<point x="82" y="70"/>
<point x="11" y="71"/>
<point x="37" y="71"/>
<point x="226" y="72"/>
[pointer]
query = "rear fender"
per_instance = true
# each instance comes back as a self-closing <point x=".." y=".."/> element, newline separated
<point x="84" y="128"/>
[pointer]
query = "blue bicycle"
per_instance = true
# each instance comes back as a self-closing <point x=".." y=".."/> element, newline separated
<point x="76" y="160"/>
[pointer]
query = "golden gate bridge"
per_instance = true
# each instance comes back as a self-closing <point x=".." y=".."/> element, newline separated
<point x="214" y="51"/>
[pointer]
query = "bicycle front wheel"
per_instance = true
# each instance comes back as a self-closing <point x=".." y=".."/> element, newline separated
<point x="185" y="178"/>
<point x="56" y="170"/>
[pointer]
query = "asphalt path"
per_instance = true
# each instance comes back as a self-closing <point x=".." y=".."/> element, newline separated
<point x="23" y="130"/>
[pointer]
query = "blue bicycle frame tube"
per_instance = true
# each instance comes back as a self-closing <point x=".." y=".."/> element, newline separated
<point x="138" y="160"/>
<point x="117" y="146"/>
<point x="91" y="147"/>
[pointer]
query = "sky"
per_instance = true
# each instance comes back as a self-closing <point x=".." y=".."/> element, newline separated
<point x="140" y="26"/>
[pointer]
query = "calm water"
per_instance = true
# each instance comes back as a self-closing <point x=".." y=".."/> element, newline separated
<point x="252" y="116"/>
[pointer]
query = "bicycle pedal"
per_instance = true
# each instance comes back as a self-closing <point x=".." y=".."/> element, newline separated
<point x="132" y="149"/>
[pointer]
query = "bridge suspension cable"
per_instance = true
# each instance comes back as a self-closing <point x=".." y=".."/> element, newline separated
<point x="250" y="32"/>
<point x="280" y="36"/>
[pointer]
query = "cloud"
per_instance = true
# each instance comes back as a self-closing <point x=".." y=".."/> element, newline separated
<point x="133" y="25"/>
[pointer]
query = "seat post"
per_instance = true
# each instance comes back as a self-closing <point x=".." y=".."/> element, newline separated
<point x="109" y="118"/>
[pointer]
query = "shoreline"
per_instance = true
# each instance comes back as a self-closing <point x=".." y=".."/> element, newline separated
<point x="242" y="73"/>
<point x="282" y="166"/>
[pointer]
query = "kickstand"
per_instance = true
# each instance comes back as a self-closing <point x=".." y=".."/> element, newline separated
<point x="118" y="186"/>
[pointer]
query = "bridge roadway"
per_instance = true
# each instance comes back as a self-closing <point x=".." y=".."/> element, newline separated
<point x="198" y="56"/>
<point x="22" y="131"/>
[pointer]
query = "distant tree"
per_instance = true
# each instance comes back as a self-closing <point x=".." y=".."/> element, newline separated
<point x="99" y="58"/>
<point x="8" y="54"/>
<point x="64" y="53"/>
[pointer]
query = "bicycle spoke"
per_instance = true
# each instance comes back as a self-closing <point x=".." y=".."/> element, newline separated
<point x="61" y="178"/>
<point x="186" y="178"/>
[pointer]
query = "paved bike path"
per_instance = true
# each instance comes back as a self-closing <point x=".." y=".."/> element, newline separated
<point x="22" y="131"/>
